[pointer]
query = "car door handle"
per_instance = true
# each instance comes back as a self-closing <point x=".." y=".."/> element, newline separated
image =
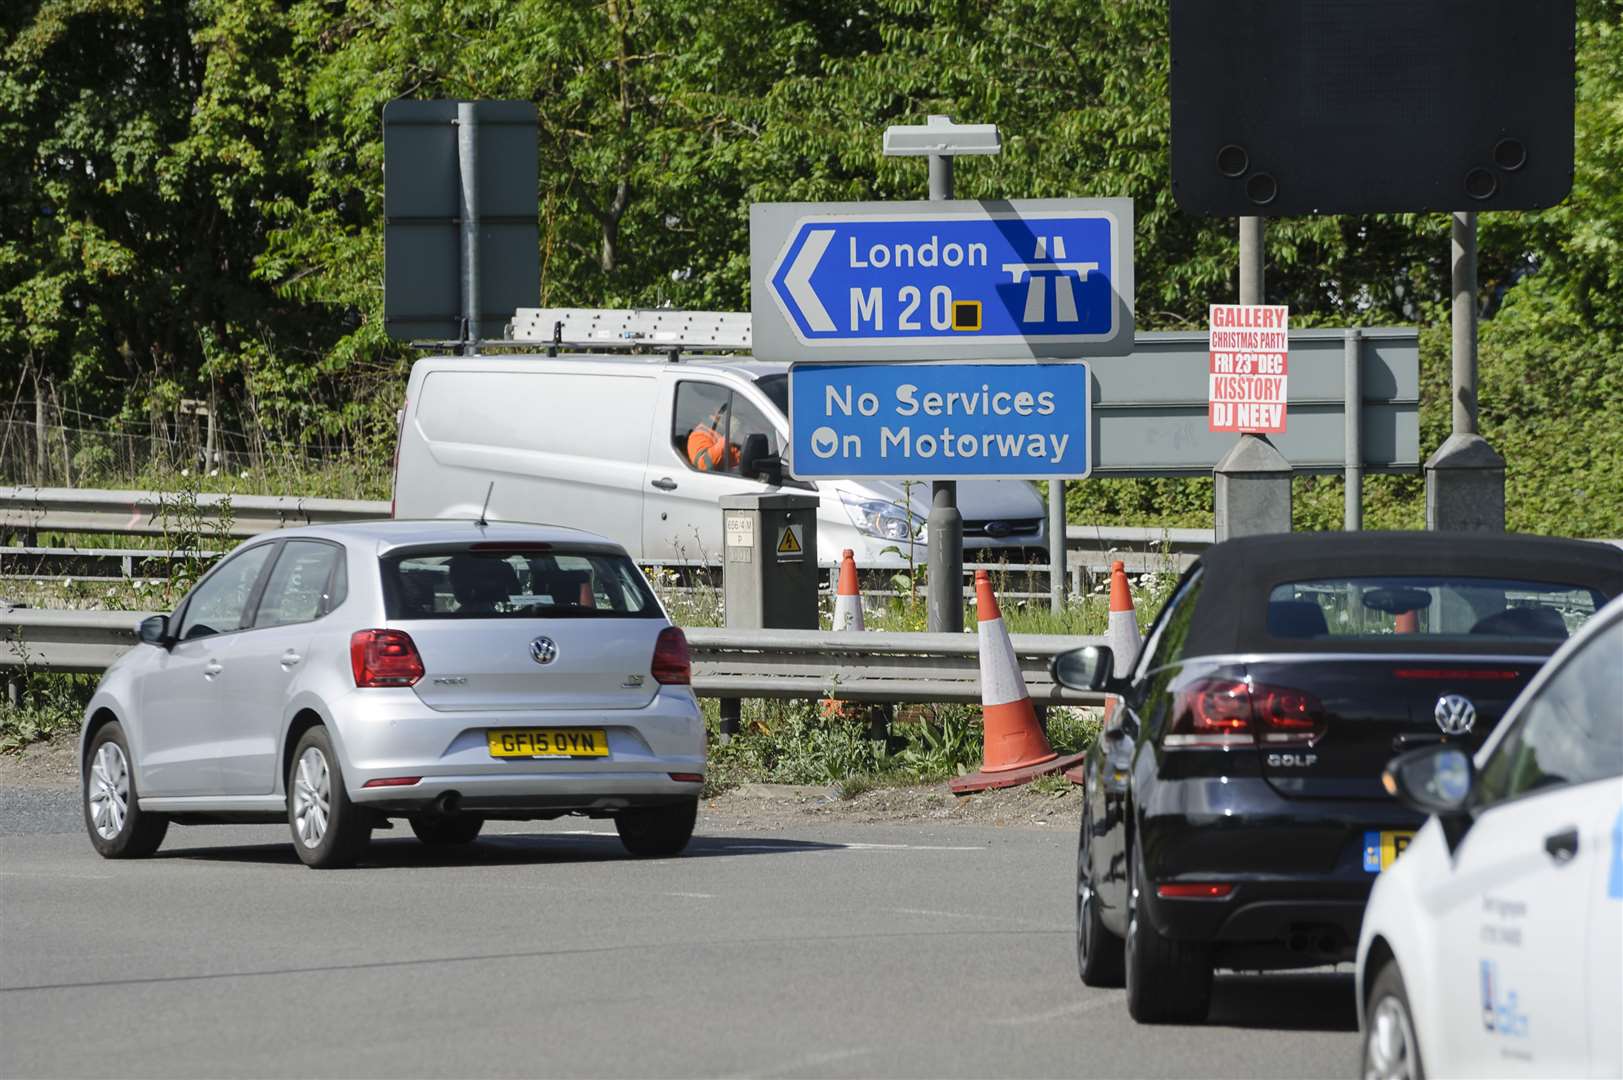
<point x="290" y="658"/>
<point x="664" y="483"/>
<point x="211" y="669"/>
<point x="1562" y="846"/>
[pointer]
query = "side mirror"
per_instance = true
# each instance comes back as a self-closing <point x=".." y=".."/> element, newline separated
<point x="1434" y="779"/>
<point x="154" y="630"/>
<point x="1087" y="668"/>
<point x="758" y="462"/>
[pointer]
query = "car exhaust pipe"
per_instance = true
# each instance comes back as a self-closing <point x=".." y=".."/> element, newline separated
<point x="1297" y="942"/>
<point x="448" y="804"/>
<point x="1327" y="944"/>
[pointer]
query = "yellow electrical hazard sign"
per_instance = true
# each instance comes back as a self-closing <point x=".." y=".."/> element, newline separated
<point x="791" y="544"/>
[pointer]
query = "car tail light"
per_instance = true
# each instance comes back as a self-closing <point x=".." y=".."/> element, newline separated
<point x="687" y="777"/>
<point x="673" y="665"/>
<point x="384" y="658"/>
<point x="1457" y="674"/>
<point x="1221" y="714"/>
<point x="1193" y="890"/>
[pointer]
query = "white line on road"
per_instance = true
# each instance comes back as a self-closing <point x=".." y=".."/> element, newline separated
<point x="827" y="1057"/>
<point x="1073" y="1009"/>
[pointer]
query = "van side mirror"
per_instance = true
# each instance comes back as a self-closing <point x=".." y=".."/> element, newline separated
<point x="154" y="630"/>
<point x="1087" y="668"/>
<point x="758" y="462"/>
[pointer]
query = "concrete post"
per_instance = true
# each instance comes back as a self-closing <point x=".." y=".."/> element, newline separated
<point x="1465" y="478"/>
<point x="1252" y="493"/>
<point x="1352" y="392"/>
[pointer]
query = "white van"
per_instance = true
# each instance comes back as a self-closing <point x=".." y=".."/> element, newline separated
<point x="602" y="443"/>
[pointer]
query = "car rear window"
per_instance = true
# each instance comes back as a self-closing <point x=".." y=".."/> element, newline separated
<point x="1430" y="606"/>
<point x="510" y="582"/>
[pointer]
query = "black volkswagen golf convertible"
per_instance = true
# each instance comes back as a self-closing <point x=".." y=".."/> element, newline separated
<point x="1233" y="812"/>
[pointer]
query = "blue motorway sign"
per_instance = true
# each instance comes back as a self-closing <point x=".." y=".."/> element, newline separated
<point x="940" y="421"/>
<point x="1042" y="278"/>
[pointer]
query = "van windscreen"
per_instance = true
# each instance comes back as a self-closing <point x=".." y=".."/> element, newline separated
<point x="544" y="582"/>
<point x="776" y="389"/>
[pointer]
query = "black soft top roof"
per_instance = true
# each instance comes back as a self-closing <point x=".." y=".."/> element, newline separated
<point x="1239" y="575"/>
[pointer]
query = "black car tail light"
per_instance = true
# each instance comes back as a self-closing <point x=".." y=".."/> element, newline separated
<point x="1223" y="714"/>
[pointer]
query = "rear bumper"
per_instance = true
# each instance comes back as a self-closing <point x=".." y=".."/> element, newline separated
<point x="390" y="734"/>
<point x="533" y="791"/>
<point x="1295" y="867"/>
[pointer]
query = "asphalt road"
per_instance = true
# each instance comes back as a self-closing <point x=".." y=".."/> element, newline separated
<point x="835" y="950"/>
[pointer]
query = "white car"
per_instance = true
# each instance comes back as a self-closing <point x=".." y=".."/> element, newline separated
<point x="444" y="672"/>
<point x="1494" y="946"/>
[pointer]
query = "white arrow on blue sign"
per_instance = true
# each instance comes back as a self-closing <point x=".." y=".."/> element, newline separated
<point x="1040" y="278"/>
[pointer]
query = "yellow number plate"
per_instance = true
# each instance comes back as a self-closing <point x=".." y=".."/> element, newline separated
<point x="548" y="742"/>
<point x="1381" y="849"/>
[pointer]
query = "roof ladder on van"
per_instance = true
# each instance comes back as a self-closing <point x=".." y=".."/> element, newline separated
<point x="636" y="329"/>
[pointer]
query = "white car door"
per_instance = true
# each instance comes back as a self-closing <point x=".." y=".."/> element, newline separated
<point x="268" y="658"/>
<point x="1605" y="976"/>
<point x="1518" y="962"/>
<point x="183" y="695"/>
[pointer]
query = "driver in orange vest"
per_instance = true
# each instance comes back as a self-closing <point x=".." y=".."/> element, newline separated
<point x="709" y="449"/>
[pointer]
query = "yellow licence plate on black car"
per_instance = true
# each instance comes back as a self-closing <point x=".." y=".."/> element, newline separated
<point x="548" y="742"/>
<point x="1381" y="849"/>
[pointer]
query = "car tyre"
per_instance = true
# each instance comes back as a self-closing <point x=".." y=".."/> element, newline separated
<point x="437" y="830"/>
<point x="118" y="827"/>
<point x="1391" y="1049"/>
<point x="658" y="831"/>
<point x="1168" y="982"/>
<point x="329" y="831"/>
<point x="1100" y="955"/>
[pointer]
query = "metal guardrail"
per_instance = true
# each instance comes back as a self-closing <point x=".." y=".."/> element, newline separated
<point x="142" y="513"/>
<point x="31" y="510"/>
<point x="863" y="667"/>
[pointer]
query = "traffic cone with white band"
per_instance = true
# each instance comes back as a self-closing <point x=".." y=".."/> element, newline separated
<point x="1122" y="632"/>
<point x="848" y="598"/>
<point x="1015" y="749"/>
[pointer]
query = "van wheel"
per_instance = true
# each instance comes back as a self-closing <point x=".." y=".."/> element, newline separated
<point x="1168" y="982"/>
<point x="437" y="830"/>
<point x="329" y="831"/>
<point x="658" y="831"/>
<point x="1099" y="953"/>
<point x="1391" y="1050"/>
<point x="118" y="827"/>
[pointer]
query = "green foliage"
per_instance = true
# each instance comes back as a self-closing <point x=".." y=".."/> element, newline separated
<point x="191" y="194"/>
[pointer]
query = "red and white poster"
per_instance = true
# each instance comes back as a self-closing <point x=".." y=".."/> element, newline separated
<point x="1249" y="350"/>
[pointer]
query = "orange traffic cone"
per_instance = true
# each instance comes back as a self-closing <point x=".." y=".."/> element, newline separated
<point x="848" y="598"/>
<point x="1015" y="750"/>
<point x="1122" y="632"/>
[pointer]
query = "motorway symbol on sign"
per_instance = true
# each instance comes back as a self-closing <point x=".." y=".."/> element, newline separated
<point x="940" y="421"/>
<point x="1039" y="278"/>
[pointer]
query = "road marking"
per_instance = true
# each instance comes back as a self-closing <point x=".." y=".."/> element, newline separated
<point x="827" y="1057"/>
<point x="912" y="847"/>
<point x="1074" y="1009"/>
<point x="46" y="874"/>
<point x="694" y="895"/>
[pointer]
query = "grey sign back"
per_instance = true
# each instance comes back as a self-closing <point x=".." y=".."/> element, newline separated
<point x="422" y="213"/>
<point x="1149" y="408"/>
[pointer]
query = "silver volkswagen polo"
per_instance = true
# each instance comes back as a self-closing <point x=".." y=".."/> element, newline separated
<point x="444" y="672"/>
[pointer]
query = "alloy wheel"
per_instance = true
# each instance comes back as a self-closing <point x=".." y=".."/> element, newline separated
<point x="109" y="790"/>
<point x="1389" y="1049"/>
<point x="312" y="797"/>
